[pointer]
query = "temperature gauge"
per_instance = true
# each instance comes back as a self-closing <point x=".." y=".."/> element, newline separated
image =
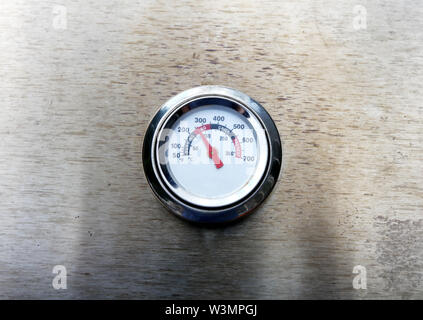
<point x="212" y="154"/>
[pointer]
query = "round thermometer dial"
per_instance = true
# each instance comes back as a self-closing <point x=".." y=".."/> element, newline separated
<point x="212" y="154"/>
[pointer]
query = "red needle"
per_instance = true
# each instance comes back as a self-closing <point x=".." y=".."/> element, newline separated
<point x="213" y="154"/>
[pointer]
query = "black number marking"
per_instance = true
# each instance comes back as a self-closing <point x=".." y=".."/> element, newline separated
<point x="183" y="129"/>
<point x="200" y="120"/>
<point x="239" y="126"/>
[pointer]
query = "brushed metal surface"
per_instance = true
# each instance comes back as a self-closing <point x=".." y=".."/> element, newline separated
<point x="79" y="82"/>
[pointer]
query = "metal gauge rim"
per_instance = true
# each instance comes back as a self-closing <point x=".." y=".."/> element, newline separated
<point x="209" y="214"/>
<point x="236" y="196"/>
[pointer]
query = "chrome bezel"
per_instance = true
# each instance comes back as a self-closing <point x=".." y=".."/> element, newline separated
<point x="213" y="203"/>
<point x="210" y="214"/>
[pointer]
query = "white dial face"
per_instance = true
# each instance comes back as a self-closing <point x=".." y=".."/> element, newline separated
<point x="213" y="155"/>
